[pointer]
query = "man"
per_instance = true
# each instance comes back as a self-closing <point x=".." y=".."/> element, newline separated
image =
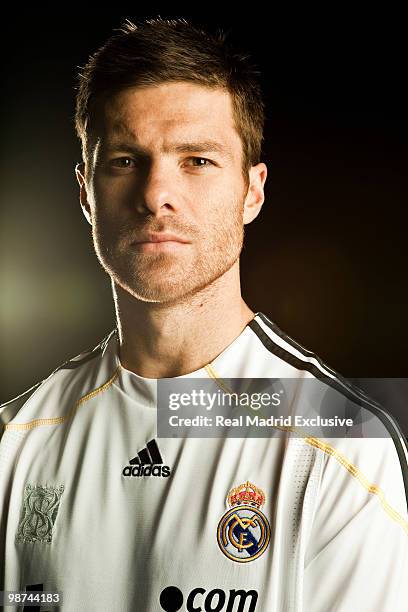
<point x="95" y="504"/>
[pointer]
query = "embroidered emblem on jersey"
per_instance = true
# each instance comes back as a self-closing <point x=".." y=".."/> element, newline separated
<point x="243" y="532"/>
<point x="38" y="513"/>
<point x="148" y="462"/>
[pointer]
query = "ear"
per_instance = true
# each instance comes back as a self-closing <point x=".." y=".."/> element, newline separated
<point x="83" y="195"/>
<point x="255" y="196"/>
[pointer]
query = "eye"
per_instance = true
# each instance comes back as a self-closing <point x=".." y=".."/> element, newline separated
<point x="123" y="162"/>
<point x="200" y="159"/>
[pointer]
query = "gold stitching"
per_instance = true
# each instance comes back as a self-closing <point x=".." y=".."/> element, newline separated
<point x="330" y="450"/>
<point x="62" y="419"/>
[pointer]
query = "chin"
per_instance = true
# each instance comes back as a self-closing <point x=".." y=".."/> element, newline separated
<point x="156" y="295"/>
<point x="167" y="284"/>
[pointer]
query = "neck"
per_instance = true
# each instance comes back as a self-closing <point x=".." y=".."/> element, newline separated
<point x="160" y="340"/>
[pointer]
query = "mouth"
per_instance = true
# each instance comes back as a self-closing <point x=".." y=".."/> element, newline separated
<point x="159" y="246"/>
<point x="159" y="242"/>
<point x="151" y="237"/>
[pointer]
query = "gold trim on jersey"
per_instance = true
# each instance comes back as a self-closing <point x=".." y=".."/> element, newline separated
<point x="315" y="442"/>
<point x="356" y="472"/>
<point x="330" y="450"/>
<point x="66" y="417"/>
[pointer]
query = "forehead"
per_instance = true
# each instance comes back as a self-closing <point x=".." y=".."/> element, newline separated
<point x="171" y="111"/>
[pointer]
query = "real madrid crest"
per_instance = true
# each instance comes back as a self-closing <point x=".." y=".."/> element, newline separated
<point x="243" y="532"/>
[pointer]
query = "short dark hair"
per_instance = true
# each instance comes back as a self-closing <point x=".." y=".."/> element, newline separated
<point x="157" y="51"/>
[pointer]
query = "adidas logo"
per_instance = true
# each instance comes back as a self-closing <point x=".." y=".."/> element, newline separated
<point x="148" y="462"/>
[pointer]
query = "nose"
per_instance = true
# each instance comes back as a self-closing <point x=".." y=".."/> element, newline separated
<point x="158" y="189"/>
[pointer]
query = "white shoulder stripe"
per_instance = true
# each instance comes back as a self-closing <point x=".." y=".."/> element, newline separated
<point x="280" y="343"/>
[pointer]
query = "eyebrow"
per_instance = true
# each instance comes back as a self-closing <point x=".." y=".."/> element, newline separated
<point x="202" y="146"/>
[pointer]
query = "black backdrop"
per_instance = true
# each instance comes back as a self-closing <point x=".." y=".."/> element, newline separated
<point x="327" y="257"/>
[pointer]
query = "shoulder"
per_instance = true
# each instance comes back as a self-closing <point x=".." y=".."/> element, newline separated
<point x="72" y="379"/>
<point x="382" y="451"/>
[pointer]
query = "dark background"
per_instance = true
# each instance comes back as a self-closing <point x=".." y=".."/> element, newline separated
<point x="326" y="259"/>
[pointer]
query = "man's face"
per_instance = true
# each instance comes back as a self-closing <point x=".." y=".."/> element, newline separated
<point x="156" y="169"/>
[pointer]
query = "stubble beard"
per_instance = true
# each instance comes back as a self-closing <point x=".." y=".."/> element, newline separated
<point x="171" y="277"/>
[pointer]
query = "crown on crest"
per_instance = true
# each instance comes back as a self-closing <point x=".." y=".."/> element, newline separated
<point x="247" y="494"/>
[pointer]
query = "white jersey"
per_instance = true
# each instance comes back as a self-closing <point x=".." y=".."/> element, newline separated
<point x="96" y="506"/>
